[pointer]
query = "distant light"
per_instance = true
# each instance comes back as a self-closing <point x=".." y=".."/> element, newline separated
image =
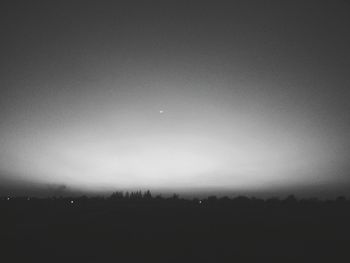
<point x="200" y="201"/>
<point x="8" y="198"/>
<point x="71" y="201"/>
<point x="161" y="111"/>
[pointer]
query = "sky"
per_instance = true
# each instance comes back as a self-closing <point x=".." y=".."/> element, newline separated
<point x="186" y="96"/>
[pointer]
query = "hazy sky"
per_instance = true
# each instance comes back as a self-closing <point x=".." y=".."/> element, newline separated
<point x="187" y="96"/>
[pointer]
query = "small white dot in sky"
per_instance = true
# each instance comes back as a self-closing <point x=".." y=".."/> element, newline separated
<point x="161" y="111"/>
<point x="72" y="202"/>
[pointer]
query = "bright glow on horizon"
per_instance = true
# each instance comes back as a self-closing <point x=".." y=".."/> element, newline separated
<point x="152" y="155"/>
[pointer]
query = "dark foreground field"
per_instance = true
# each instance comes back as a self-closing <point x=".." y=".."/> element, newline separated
<point x="174" y="230"/>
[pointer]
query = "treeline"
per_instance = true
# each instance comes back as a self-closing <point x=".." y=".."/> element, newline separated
<point x="147" y="197"/>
